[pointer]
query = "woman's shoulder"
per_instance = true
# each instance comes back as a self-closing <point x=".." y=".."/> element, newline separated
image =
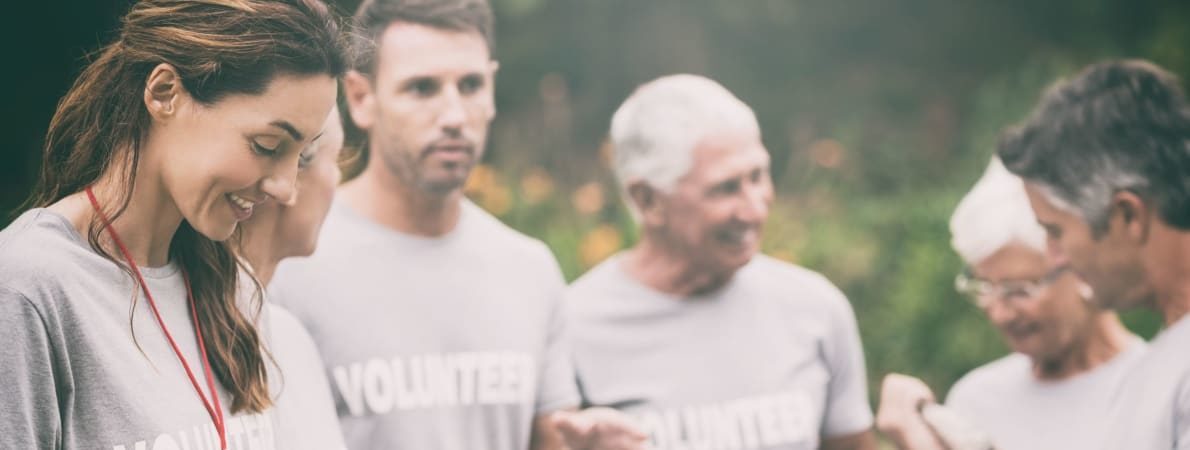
<point x="41" y="248"/>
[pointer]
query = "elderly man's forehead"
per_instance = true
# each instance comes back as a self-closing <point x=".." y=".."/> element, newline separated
<point x="729" y="154"/>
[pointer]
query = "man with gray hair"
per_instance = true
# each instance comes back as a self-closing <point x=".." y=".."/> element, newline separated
<point x="1054" y="390"/>
<point x="705" y="342"/>
<point x="1106" y="162"/>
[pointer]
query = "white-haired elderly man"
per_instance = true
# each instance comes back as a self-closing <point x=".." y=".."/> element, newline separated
<point x="703" y="341"/>
<point x="1054" y="390"/>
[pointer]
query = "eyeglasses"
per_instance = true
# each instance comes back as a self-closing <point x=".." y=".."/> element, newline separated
<point x="983" y="292"/>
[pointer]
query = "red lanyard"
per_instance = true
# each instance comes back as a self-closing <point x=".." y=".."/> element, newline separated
<point x="213" y="407"/>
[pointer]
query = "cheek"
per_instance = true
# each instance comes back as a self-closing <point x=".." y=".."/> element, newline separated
<point x="481" y="110"/>
<point x="405" y="130"/>
<point x="682" y="223"/>
<point x="324" y="192"/>
<point x="401" y="113"/>
<point x="1064" y="312"/>
<point x="207" y="173"/>
<point x="228" y="161"/>
<point x="1033" y="312"/>
<point x="237" y="173"/>
<point x="716" y="214"/>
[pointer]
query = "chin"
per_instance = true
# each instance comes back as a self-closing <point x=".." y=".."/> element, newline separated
<point x="740" y="258"/>
<point x="728" y="266"/>
<point x="213" y="231"/>
<point x="443" y="186"/>
<point x="305" y="249"/>
<point x="1025" y="349"/>
<point x="1036" y="347"/>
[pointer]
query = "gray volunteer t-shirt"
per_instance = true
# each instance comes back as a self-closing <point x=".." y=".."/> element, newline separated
<point x="445" y="343"/>
<point x="1020" y="412"/>
<point x="772" y="360"/>
<point x="1151" y="407"/>
<point x="73" y="375"/>
<point x="303" y="410"/>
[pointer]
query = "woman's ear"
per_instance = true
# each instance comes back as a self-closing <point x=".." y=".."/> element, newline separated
<point x="163" y="92"/>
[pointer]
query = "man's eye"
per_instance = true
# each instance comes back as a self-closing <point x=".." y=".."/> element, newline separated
<point x="470" y="84"/>
<point x="727" y="188"/>
<point x="424" y="88"/>
<point x="1017" y="292"/>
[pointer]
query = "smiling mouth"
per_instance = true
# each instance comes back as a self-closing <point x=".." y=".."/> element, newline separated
<point x="1019" y="333"/>
<point x="240" y="206"/>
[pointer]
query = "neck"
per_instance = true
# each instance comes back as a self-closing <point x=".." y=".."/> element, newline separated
<point x="1105" y="338"/>
<point x="147" y="225"/>
<point x="262" y="259"/>
<point x="1170" y="273"/>
<point x="663" y="269"/>
<point x="264" y="273"/>
<point x="389" y="201"/>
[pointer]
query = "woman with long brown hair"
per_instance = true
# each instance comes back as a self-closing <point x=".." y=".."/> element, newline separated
<point x="122" y="320"/>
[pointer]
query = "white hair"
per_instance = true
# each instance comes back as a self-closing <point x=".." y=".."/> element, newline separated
<point x="994" y="214"/>
<point x="655" y="131"/>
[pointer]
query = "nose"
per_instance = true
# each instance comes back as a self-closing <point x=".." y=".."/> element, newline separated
<point x="281" y="184"/>
<point x="755" y="202"/>
<point x="998" y="311"/>
<point x="454" y="112"/>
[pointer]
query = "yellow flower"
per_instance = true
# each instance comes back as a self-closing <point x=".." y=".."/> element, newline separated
<point x="486" y="189"/>
<point x="783" y="255"/>
<point x="482" y="178"/>
<point x="497" y="200"/>
<point x="607" y="153"/>
<point x="598" y="244"/>
<point x="536" y="186"/>
<point x="588" y="198"/>
<point x="828" y="153"/>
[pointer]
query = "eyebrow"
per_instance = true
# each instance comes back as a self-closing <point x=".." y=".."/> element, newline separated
<point x="288" y="127"/>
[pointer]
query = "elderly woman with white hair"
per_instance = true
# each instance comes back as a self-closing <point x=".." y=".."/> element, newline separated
<point x="1068" y="355"/>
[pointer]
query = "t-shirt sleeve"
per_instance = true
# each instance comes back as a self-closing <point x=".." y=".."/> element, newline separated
<point x="557" y="386"/>
<point x="29" y="417"/>
<point x="847" y="409"/>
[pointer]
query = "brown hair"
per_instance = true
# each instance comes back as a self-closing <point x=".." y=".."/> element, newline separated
<point x="374" y="16"/>
<point x="218" y="47"/>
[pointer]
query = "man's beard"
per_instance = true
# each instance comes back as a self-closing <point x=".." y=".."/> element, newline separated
<point x="411" y="172"/>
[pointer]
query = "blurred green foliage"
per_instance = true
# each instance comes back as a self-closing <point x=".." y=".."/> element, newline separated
<point x="879" y="116"/>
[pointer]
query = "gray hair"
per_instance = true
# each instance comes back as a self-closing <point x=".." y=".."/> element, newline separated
<point x="1117" y="126"/>
<point x="656" y="129"/>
